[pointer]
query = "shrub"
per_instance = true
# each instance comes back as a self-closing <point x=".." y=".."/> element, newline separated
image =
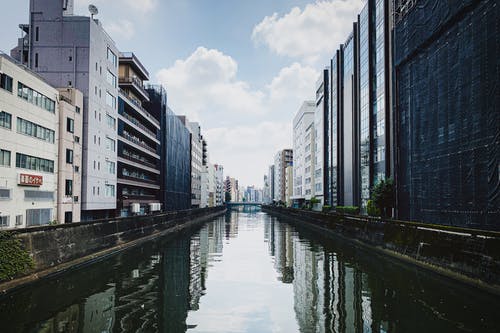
<point x="383" y="196"/>
<point x="372" y="209"/>
<point x="327" y="208"/>
<point x="14" y="260"/>
<point x="354" y="210"/>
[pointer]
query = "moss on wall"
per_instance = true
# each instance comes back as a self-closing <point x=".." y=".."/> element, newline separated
<point x="14" y="259"/>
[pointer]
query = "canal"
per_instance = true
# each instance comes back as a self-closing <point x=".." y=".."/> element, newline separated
<point x="248" y="272"/>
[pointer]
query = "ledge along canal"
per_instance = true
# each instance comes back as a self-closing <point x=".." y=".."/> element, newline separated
<point x="248" y="272"/>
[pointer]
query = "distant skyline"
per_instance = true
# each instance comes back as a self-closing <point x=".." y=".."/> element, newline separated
<point x="241" y="69"/>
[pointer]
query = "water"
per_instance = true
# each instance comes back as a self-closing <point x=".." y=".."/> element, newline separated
<point x="249" y="272"/>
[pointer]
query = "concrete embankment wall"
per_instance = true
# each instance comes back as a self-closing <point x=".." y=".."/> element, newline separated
<point x="469" y="255"/>
<point x="61" y="247"/>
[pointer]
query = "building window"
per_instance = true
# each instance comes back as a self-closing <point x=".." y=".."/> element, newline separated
<point x="111" y="100"/>
<point x="112" y="58"/>
<point x="4" y="194"/>
<point x="70" y="125"/>
<point x="36" y="59"/>
<point x="35" y="98"/>
<point x="111" y="121"/>
<point x="35" y="130"/>
<point x="34" y="163"/>
<point x="19" y="219"/>
<point x="77" y="109"/>
<point x="4" y="158"/>
<point x="110" y="190"/>
<point x="4" y="221"/>
<point x="69" y="187"/>
<point x="76" y="168"/>
<point x="68" y="217"/>
<point x="38" y="216"/>
<point x="69" y="156"/>
<point x="77" y="139"/>
<point x="111" y="167"/>
<point x="111" y="79"/>
<point x="37" y="33"/>
<point x="5" y="82"/>
<point x="110" y="144"/>
<point x="5" y="120"/>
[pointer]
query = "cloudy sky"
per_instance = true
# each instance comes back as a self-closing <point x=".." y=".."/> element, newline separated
<point x="240" y="68"/>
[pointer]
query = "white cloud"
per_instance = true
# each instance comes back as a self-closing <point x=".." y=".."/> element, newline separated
<point x="142" y="6"/>
<point x="307" y="34"/>
<point x="244" y="126"/>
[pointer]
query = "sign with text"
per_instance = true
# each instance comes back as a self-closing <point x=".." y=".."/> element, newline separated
<point x="30" y="180"/>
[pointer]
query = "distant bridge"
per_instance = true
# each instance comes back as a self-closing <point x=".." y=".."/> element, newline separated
<point x="244" y="203"/>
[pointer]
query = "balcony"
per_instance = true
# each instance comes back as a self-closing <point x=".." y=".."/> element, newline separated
<point x="138" y="143"/>
<point x="135" y="84"/>
<point x="130" y="59"/>
<point x="138" y="107"/>
<point x="136" y="122"/>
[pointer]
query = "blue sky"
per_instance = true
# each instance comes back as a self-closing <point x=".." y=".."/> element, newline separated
<point x="240" y="68"/>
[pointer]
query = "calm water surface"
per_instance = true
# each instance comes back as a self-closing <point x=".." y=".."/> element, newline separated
<point x="249" y="272"/>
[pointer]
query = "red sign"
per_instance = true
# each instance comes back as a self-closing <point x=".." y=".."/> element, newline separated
<point x="30" y="180"/>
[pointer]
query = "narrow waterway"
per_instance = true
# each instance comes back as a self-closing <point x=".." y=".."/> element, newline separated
<point x="249" y="272"/>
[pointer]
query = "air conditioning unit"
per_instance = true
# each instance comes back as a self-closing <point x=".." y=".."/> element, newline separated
<point x="154" y="207"/>
<point x="135" y="208"/>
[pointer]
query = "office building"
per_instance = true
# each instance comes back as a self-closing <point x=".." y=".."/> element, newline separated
<point x="75" y="51"/>
<point x="303" y="153"/>
<point x="219" y="180"/>
<point x="282" y="159"/>
<point x="175" y="144"/>
<point x="288" y="185"/>
<point x="446" y="112"/>
<point x="138" y="164"/>
<point x="321" y="142"/>
<point x="29" y="128"/>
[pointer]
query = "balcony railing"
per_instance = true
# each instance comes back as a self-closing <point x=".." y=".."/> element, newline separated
<point x="136" y="82"/>
<point x="137" y="141"/>
<point x="137" y="159"/>
<point x="139" y="105"/>
<point x="136" y="122"/>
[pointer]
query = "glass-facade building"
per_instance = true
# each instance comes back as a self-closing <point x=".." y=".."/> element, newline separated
<point x="447" y="113"/>
<point x="333" y="154"/>
<point x="175" y="153"/>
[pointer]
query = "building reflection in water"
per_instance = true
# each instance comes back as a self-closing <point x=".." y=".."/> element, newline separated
<point x="336" y="288"/>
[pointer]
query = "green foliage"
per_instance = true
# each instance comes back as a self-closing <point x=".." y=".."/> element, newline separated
<point x="354" y="210"/>
<point x="383" y="196"/>
<point x="14" y="260"/>
<point x="327" y="208"/>
<point x="315" y="200"/>
<point x="371" y="209"/>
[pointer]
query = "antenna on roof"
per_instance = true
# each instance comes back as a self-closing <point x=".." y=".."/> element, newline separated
<point x="93" y="10"/>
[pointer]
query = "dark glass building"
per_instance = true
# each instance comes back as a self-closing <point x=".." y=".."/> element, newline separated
<point x="447" y="66"/>
<point x="175" y="152"/>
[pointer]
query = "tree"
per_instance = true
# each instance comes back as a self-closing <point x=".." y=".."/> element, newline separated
<point x="383" y="196"/>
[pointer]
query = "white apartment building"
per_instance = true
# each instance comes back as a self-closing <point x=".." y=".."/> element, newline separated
<point x="29" y="131"/>
<point x="282" y="159"/>
<point x="196" y="163"/>
<point x="303" y="153"/>
<point x="75" y="51"/>
<point x="219" y="180"/>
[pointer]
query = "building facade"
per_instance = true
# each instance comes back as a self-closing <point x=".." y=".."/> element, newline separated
<point x="303" y="152"/>
<point x="75" y="51"/>
<point x="282" y="159"/>
<point x="446" y="112"/>
<point x="175" y="152"/>
<point x="138" y="165"/>
<point x="29" y="128"/>
<point x="321" y="142"/>
<point x="70" y="155"/>
<point x="219" y="180"/>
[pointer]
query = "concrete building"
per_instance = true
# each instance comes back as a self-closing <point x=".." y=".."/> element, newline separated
<point x="270" y="179"/>
<point x="231" y="186"/>
<point x="321" y="143"/>
<point x="138" y="166"/>
<point x="75" y="51"/>
<point x="219" y="179"/>
<point x="175" y="162"/>
<point x="282" y="159"/>
<point x="29" y="138"/>
<point x="196" y="163"/>
<point x="303" y="153"/>
<point x="70" y="155"/>
<point x="288" y="185"/>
